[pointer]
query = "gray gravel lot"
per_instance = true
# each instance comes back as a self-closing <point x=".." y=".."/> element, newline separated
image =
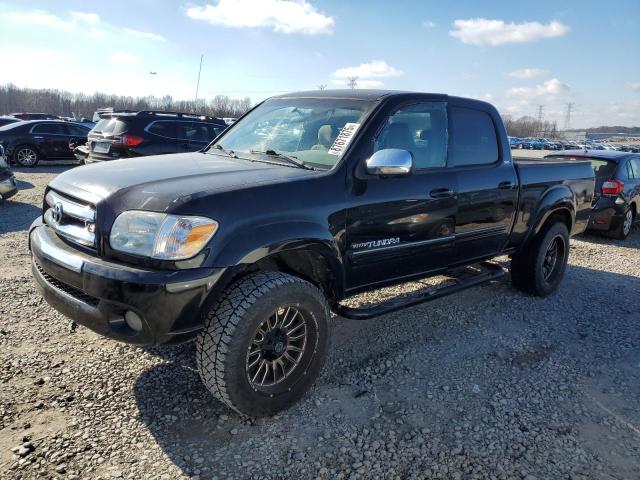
<point x="486" y="384"/>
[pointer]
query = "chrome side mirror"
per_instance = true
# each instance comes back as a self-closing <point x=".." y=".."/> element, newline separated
<point x="390" y="162"/>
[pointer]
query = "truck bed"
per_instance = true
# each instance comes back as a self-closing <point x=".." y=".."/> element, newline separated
<point x="542" y="177"/>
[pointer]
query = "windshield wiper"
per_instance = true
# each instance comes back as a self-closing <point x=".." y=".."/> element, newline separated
<point x="289" y="158"/>
<point x="231" y="153"/>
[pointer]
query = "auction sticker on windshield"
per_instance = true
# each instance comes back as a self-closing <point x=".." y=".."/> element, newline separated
<point x="343" y="139"/>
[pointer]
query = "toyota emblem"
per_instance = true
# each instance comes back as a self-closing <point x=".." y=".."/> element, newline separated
<point x="56" y="214"/>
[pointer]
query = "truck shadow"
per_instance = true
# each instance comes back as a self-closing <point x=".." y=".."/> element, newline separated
<point x="203" y="437"/>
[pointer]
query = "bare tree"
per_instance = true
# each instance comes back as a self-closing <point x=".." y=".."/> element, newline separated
<point x="352" y="82"/>
<point x="57" y="102"/>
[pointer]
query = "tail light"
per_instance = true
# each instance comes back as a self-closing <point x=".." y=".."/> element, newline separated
<point x="128" y="140"/>
<point x="612" y="187"/>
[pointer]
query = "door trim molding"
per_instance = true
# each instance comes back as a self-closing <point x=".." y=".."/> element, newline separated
<point x="431" y="241"/>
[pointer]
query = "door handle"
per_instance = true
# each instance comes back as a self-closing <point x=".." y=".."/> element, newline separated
<point x="505" y="185"/>
<point x="38" y="138"/>
<point x="441" y="193"/>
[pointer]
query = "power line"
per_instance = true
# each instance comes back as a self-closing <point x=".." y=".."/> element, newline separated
<point x="352" y="82"/>
<point x="540" y="113"/>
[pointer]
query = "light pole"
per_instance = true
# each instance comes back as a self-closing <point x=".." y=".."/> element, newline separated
<point x="199" y="72"/>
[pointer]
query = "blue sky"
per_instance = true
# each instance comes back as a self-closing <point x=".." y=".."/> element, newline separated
<point x="516" y="54"/>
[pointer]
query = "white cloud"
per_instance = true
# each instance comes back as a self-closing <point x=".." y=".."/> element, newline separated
<point x="634" y="86"/>
<point x="550" y="88"/>
<point x="81" y="23"/>
<point x="428" y="24"/>
<point x="151" y="36"/>
<point x="483" y="31"/>
<point x="85" y="17"/>
<point x="526" y="73"/>
<point x="283" y="16"/>
<point x="375" y="68"/>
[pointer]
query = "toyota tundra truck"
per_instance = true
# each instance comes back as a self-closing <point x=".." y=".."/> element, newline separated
<point x="250" y="244"/>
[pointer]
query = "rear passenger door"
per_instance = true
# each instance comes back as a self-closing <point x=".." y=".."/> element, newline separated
<point x="164" y="137"/>
<point x="487" y="183"/>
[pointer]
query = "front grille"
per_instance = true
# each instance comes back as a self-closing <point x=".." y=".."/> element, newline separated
<point x="71" y="218"/>
<point x="68" y="289"/>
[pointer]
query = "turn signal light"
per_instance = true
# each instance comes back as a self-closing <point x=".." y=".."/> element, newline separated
<point x="612" y="187"/>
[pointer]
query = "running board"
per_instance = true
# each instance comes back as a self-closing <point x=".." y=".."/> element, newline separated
<point x="494" y="272"/>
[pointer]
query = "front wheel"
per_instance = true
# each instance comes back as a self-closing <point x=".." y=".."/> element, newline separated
<point x="539" y="268"/>
<point x="264" y="342"/>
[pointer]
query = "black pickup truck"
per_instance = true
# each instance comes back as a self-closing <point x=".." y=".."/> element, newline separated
<point x="249" y="244"/>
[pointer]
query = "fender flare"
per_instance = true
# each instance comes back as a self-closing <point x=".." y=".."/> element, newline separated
<point x="558" y="198"/>
<point x="245" y="247"/>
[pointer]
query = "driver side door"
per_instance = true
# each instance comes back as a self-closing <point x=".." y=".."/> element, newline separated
<point x="403" y="226"/>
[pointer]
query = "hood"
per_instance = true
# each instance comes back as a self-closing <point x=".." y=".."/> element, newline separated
<point x="158" y="182"/>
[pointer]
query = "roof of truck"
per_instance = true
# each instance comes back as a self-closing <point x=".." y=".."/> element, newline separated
<point x="361" y="94"/>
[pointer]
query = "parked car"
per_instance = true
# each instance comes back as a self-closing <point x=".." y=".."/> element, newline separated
<point x="135" y="134"/>
<point x="570" y="145"/>
<point x="80" y="149"/>
<point x="532" y="144"/>
<point x="34" y="116"/>
<point x="248" y="244"/>
<point x="8" y="187"/>
<point x="30" y="141"/>
<point x="515" y="142"/>
<point x="616" y="201"/>
<point x="6" y="120"/>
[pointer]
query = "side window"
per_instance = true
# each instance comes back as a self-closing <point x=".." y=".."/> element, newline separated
<point x="634" y="168"/>
<point x="50" y="128"/>
<point x="421" y="129"/>
<point x="77" y="131"/>
<point x="473" y="138"/>
<point x="163" y="128"/>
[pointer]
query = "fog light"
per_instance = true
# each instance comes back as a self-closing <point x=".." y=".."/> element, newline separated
<point x="133" y="321"/>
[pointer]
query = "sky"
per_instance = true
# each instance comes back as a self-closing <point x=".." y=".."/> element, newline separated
<point x="515" y="54"/>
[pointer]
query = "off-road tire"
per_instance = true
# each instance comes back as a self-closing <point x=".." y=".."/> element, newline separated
<point x="230" y="324"/>
<point x="528" y="266"/>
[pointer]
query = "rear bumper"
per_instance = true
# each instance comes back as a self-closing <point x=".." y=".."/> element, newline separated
<point x="606" y="214"/>
<point x="97" y="293"/>
<point x="8" y="186"/>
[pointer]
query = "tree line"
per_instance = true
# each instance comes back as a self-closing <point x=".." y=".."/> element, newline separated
<point x="530" y="127"/>
<point x="59" y="102"/>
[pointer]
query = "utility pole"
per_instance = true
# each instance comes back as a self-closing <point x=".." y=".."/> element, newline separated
<point x="567" y="118"/>
<point x="540" y="115"/>
<point x="352" y="82"/>
<point x="199" y="72"/>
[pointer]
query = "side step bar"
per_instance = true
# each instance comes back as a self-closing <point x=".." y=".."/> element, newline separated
<point x="493" y="272"/>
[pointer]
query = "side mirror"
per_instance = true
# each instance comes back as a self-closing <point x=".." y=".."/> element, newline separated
<point x="390" y="162"/>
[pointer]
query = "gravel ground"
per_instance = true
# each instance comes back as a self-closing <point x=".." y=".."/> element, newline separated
<point x="486" y="384"/>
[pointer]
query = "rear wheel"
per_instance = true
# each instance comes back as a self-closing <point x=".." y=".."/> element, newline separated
<point x="623" y="230"/>
<point x="264" y="342"/>
<point x="26" y="156"/>
<point x="539" y="268"/>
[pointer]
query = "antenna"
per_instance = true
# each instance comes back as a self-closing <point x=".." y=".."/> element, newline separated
<point x="199" y="72"/>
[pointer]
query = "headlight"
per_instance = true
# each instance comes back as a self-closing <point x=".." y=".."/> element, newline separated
<point x="162" y="236"/>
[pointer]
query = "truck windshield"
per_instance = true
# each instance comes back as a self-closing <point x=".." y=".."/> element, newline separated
<point x="315" y="132"/>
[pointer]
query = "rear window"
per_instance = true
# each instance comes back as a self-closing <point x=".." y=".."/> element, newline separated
<point x="110" y="126"/>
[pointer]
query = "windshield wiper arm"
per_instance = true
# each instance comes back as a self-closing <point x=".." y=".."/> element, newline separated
<point x="289" y="158"/>
<point x="231" y="153"/>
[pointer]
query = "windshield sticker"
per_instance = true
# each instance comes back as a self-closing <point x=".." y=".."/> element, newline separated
<point x="343" y="139"/>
